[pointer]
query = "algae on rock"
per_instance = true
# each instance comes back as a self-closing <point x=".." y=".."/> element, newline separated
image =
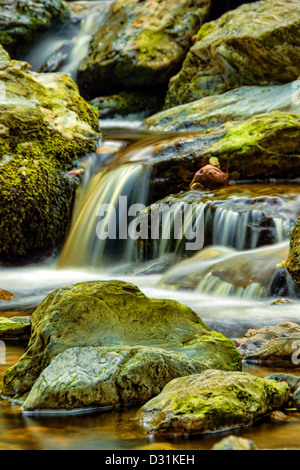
<point x="256" y="44"/>
<point x="211" y="401"/>
<point x="45" y="126"/>
<point x="141" y="44"/>
<point x="114" y="313"/>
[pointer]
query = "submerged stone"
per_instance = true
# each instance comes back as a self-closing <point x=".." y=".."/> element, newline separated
<point x="256" y="44"/>
<point x="141" y="44"/>
<point x="84" y="377"/>
<point x="234" y="443"/>
<point x="211" y="401"/>
<point x="113" y="314"/>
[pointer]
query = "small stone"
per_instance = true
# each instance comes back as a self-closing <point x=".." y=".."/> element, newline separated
<point x="278" y="416"/>
<point x="210" y="177"/>
<point x="234" y="443"/>
<point x="6" y="296"/>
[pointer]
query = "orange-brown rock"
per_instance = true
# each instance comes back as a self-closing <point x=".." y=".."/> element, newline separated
<point x="5" y="295"/>
<point x="209" y="177"/>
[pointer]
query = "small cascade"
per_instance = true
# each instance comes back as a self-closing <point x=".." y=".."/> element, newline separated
<point x="240" y="222"/>
<point x="109" y="194"/>
<point x="80" y="43"/>
<point x="253" y="274"/>
<point x="64" y="49"/>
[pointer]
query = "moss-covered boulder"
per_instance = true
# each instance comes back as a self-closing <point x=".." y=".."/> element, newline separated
<point x="293" y="261"/>
<point x="235" y="105"/>
<point x="45" y="126"/>
<point x="110" y="314"/>
<point x="293" y="382"/>
<point x="107" y="377"/>
<point x="125" y="103"/>
<point x="21" y="20"/>
<point x="15" y="328"/>
<point x="211" y="401"/>
<point x="141" y="44"/>
<point x="256" y="44"/>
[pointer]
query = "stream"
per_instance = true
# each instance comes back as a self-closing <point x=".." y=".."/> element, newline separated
<point x="231" y="283"/>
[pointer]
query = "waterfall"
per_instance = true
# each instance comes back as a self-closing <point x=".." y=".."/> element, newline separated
<point x="83" y="246"/>
<point x="241" y="223"/>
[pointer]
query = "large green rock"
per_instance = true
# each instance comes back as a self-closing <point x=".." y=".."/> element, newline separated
<point x="256" y="44"/>
<point x="114" y="313"/>
<point x="211" y="401"/>
<point x="235" y="105"/>
<point x="141" y="44"/>
<point x="45" y="126"/>
<point x="21" y="20"/>
<point x="107" y="377"/>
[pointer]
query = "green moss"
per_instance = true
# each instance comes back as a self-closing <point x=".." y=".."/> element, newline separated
<point x="151" y="43"/>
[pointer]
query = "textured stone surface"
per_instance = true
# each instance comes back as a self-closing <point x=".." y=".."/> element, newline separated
<point x="256" y="44"/>
<point x="255" y="338"/>
<point x="211" y="401"/>
<point x="114" y="313"/>
<point x="293" y="261"/>
<point x="107" y="377"/>
<point x="235" y="105"/>
<point x="141" y="44"/>
<point x="281" y="351"/>
<point x="20" y="20"/>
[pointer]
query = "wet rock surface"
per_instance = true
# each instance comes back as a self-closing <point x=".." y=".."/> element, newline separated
<point x="112" y="314"/>
<point x="211" y="401"/>
<point x="256" y="44"/>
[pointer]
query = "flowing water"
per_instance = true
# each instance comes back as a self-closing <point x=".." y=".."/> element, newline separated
<point x="231" y="282"/>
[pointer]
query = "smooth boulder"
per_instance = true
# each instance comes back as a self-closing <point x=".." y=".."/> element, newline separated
<point x="88" y="377"/>
<point x="110" y="314"/>
<point x="256" y="44"/>
<point x="211" y="401"/>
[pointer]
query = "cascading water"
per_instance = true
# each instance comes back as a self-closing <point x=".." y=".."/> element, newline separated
<point x="64" y="50"/>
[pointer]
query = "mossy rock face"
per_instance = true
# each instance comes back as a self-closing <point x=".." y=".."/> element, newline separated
<point x="293" y="382"/>
<point x="235" y="105"/>
<point x="293" y="261"/>
<point x="264" y="146"/>
<point x="15" y="328"/>
<point x="110" y="314"/>
<point x="211" y="401"/>
<point x="256" y="44"/>
<point x="45" y="126"/>
<point x="107" y="377"/>
<point x="126" y="103"/>
<point x="20" y="20"/>
<point x="140" y="44"/>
